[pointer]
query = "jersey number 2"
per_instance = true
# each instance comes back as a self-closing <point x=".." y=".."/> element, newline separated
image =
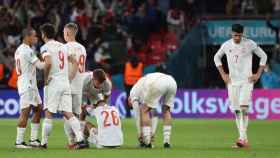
<point x="114" y="117"/>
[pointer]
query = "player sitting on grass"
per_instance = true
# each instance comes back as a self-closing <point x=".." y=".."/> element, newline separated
<point x="109" y="131"/>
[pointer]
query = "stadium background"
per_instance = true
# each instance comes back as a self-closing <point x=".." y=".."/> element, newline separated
<point x="113" y="30"/>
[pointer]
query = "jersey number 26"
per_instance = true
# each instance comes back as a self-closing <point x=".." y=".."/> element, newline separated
<point x="110" y="116"/>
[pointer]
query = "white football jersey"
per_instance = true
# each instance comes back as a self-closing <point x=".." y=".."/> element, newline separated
<point x="77" y="51"/>
<point x="239" y="59"/>
<point x="26" y="71"/>
<point x="93" y="94"/>
<point x="109" y="126"/>
<point x="154" y="83"/>
<point x="59" y="59"/>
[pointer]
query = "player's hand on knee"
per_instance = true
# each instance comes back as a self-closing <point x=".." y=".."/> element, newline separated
<point x="226" y="78"/>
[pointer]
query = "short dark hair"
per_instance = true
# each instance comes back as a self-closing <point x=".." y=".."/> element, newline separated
<point x="48" y="30"/>
<point x="72" y="26"/>
<point x="27" y="32"/>
<point x="237" y="28"/>
<point x="99" y="75"/>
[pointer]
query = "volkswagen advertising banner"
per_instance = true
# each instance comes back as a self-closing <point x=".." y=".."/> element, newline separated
<point x="220" y="30"/>
<point x="188" y="104"/>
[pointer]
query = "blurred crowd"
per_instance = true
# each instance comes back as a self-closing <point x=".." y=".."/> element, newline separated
<point x="110" y="30"/>
<point x="113" y="30"/>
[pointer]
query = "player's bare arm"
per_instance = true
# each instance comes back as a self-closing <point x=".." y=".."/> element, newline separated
<point x="47" y="69"/>
<point x="224" y="75"/>
<point x="263" y="58"/>
<point x="73" y="61"/>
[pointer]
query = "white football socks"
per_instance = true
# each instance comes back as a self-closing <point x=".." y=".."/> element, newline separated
<point x="46" y="130"/>
<point x="238" y="121"/>
<point x="147" y="134"/>
<point x="20" y="135"/>
<point x="34" y="131"/>
<point x="76" y="127"/>
<point x="166" y="133"/>
<point x="136" y="110"/>
<point x="154" y="125"/>
<point x="245" y="123"/>
<point x="69" y="132"/>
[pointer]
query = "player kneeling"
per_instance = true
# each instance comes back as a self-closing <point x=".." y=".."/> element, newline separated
<point x="109" y="131"/>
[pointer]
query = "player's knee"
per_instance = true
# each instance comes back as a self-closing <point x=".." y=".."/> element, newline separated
<point x="154" y="113"/>
<point x="145" y="108"/>
<point x="245" y="109"/>
<point x="37" y="109"/>
<point x="237" y="112"/>
<point x="166" y="109"/>
<point x="22" y="121"/>
<point x="48" y="114"/>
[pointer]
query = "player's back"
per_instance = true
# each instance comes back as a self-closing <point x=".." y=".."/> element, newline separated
<point x="26" y="71"/>
<point x="109" y="126"/>
<point x="59" y="60"/>
<point x="77" y="51"/>
<point x="157" y="82"/>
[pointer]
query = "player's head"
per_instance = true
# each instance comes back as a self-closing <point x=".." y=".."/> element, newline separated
<point x="29" y="36"/>
<point x="47" y="31"/>
<point x="98" y="77"/>
<point x="237" y="32"/>
<point x="70" y="31"/>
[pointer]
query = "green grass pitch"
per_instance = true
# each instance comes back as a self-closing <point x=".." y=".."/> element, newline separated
<point x="190" y="139"/>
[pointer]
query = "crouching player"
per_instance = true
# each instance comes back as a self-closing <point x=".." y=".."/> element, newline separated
<point x="95" y="85"/>
<point x="109" y="131"/>
<point x="146" y="94"/>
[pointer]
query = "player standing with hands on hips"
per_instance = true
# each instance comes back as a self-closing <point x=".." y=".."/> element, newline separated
<point x="240" y="80"/>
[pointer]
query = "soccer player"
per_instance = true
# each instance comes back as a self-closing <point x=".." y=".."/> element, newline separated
<point x="96" y="86"/>
<point x="26" y="63"/>
<point x="146" y="94"/>
<point x="78" y="52"/>
<point x="57" y="94"/>
<point x="240" y="80"/>
<point x="109" y="130"/>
